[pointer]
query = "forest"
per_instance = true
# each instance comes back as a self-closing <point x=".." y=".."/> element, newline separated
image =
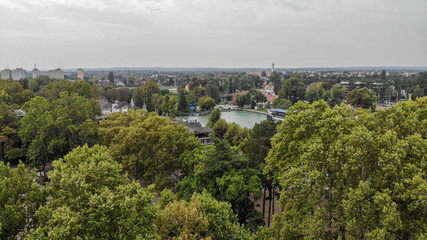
<point x="336" y="172"/>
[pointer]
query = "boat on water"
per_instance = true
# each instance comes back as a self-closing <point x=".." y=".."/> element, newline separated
<point x="276" y="114"/>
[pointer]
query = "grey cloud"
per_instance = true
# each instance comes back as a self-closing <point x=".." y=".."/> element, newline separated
<point x="223" y="33"/>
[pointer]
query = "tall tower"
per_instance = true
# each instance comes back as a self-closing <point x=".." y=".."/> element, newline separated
<point x="80" y="74"/>
<point x="35" y="73"/>
<point x="272" y="67"/>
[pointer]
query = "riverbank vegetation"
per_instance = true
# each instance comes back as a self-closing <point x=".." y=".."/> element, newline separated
<point x="336" y="172"/>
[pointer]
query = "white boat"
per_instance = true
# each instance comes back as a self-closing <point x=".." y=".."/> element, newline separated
<point x="277" y="114"/>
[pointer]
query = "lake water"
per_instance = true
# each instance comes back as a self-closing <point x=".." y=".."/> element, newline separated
<point x="245" y="119"/>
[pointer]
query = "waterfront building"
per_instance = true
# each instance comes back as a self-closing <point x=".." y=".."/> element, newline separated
<point x="6" y="74"/>
<point x="202" y="133"/>
<point x="80" y="74"/>
<point x="18" y="73"/>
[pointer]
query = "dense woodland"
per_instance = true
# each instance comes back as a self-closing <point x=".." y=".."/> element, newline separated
<point x="337" y="172"/>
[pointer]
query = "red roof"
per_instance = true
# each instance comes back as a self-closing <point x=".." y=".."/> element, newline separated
<point x="270" y="97"/>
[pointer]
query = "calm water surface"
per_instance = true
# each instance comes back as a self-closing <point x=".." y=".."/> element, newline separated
<point x="245" y="119"/>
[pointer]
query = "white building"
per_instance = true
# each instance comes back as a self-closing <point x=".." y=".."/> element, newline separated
<point x="35" y="73"/>
<point x="80" y="74"/>
<point x="18" y="74"/>
<point x="55" y="74"/>
<point x="6" y="74"/>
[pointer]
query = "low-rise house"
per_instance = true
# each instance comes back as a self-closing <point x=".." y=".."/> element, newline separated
<point x="106" y="106"/>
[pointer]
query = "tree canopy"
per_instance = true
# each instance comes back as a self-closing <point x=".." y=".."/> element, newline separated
<point x="20" y="197"/>
<point x="362" y="97"/>
<point x="148" y="144"/>
<point x="214" y="117"/>
<point x="293" y="89"/>
<point x="91" y="199"/>
<point x="145" y="94"/>
<point x="206" y="103"/>
<point x="348" y="174"/>
<point x="225" y="174"/>
<point x="52" y="129"/>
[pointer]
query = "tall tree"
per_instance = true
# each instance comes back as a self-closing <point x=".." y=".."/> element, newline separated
<point x="383" y="74"/>
<point x="235" y="134"/>
<point x="182" y="102"/>
<point x="212" y="90"/>
<point x="220" y="129"/>
<point x="181" y="221"/>
<point x="276" y="79"/>
<point x="52" y="129"/>
<point x="20" y="197"/>
<point x="256" y="148"/>
<point x="222" y="222"/>
<point x="52" y="90"/>
<point x="214" y="117"/>
<point x="145" y="94"/>
<point x="89" y="198"/>
<point x="293" y="89"/>
<point x="362" y="97"/>
<point x="13" y="94"/>
<point x="348" y="174"/>
<point x="316" y="92"/>
<point x="224" y="174"/>
<point x="206" y="103"/>
<point x="281" y="103"/>
<point x="148" y="144"/>
<point x="111" y="77"/>
<point x="337" y="95"/>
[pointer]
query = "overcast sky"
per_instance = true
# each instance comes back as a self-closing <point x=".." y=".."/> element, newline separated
<point x="214" y="33"/>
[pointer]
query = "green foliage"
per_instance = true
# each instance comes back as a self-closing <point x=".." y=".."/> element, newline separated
<point x="20" y="197"/>
<point x="293" y="89"/>
<point x="166" y="197"/>
<point x="336" y="95"/>
<point x="224" y="173"/>
<point x="214" y="117"/>
<point x="121" y="94"/>
<point x="243" y="100"/>
<point x="315" y="92"/>
<point x="11" y="145"/>
<point x="220" y="129"/>
<point x="52" y="129"/>
<point x="350" y="174"/>
<point x="52" y="90"/>
<point x="418" y="92"/>
<point x="145" y="94"/>
<point x="181" y="221"/>
<point x="37" y="83"/>
<point x="277" y="81"/>
<point x="111" y="77"/>
<point x="182" y="102"/>
<point x="362" y="97"/>
<point x="206" y="103"/>
<point x="12" y="93"/>
<point x="149" y="144"/>
<point x="235" y="134"/>
<point x="281" y="103"/>
<point x="258" y="144"/>
<point x="223" y="223"/>
<point x="422" y="81"/>
<point x="90" y="199"/>
<point x="259" y="97"/>
<point x="212" y="90"/>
